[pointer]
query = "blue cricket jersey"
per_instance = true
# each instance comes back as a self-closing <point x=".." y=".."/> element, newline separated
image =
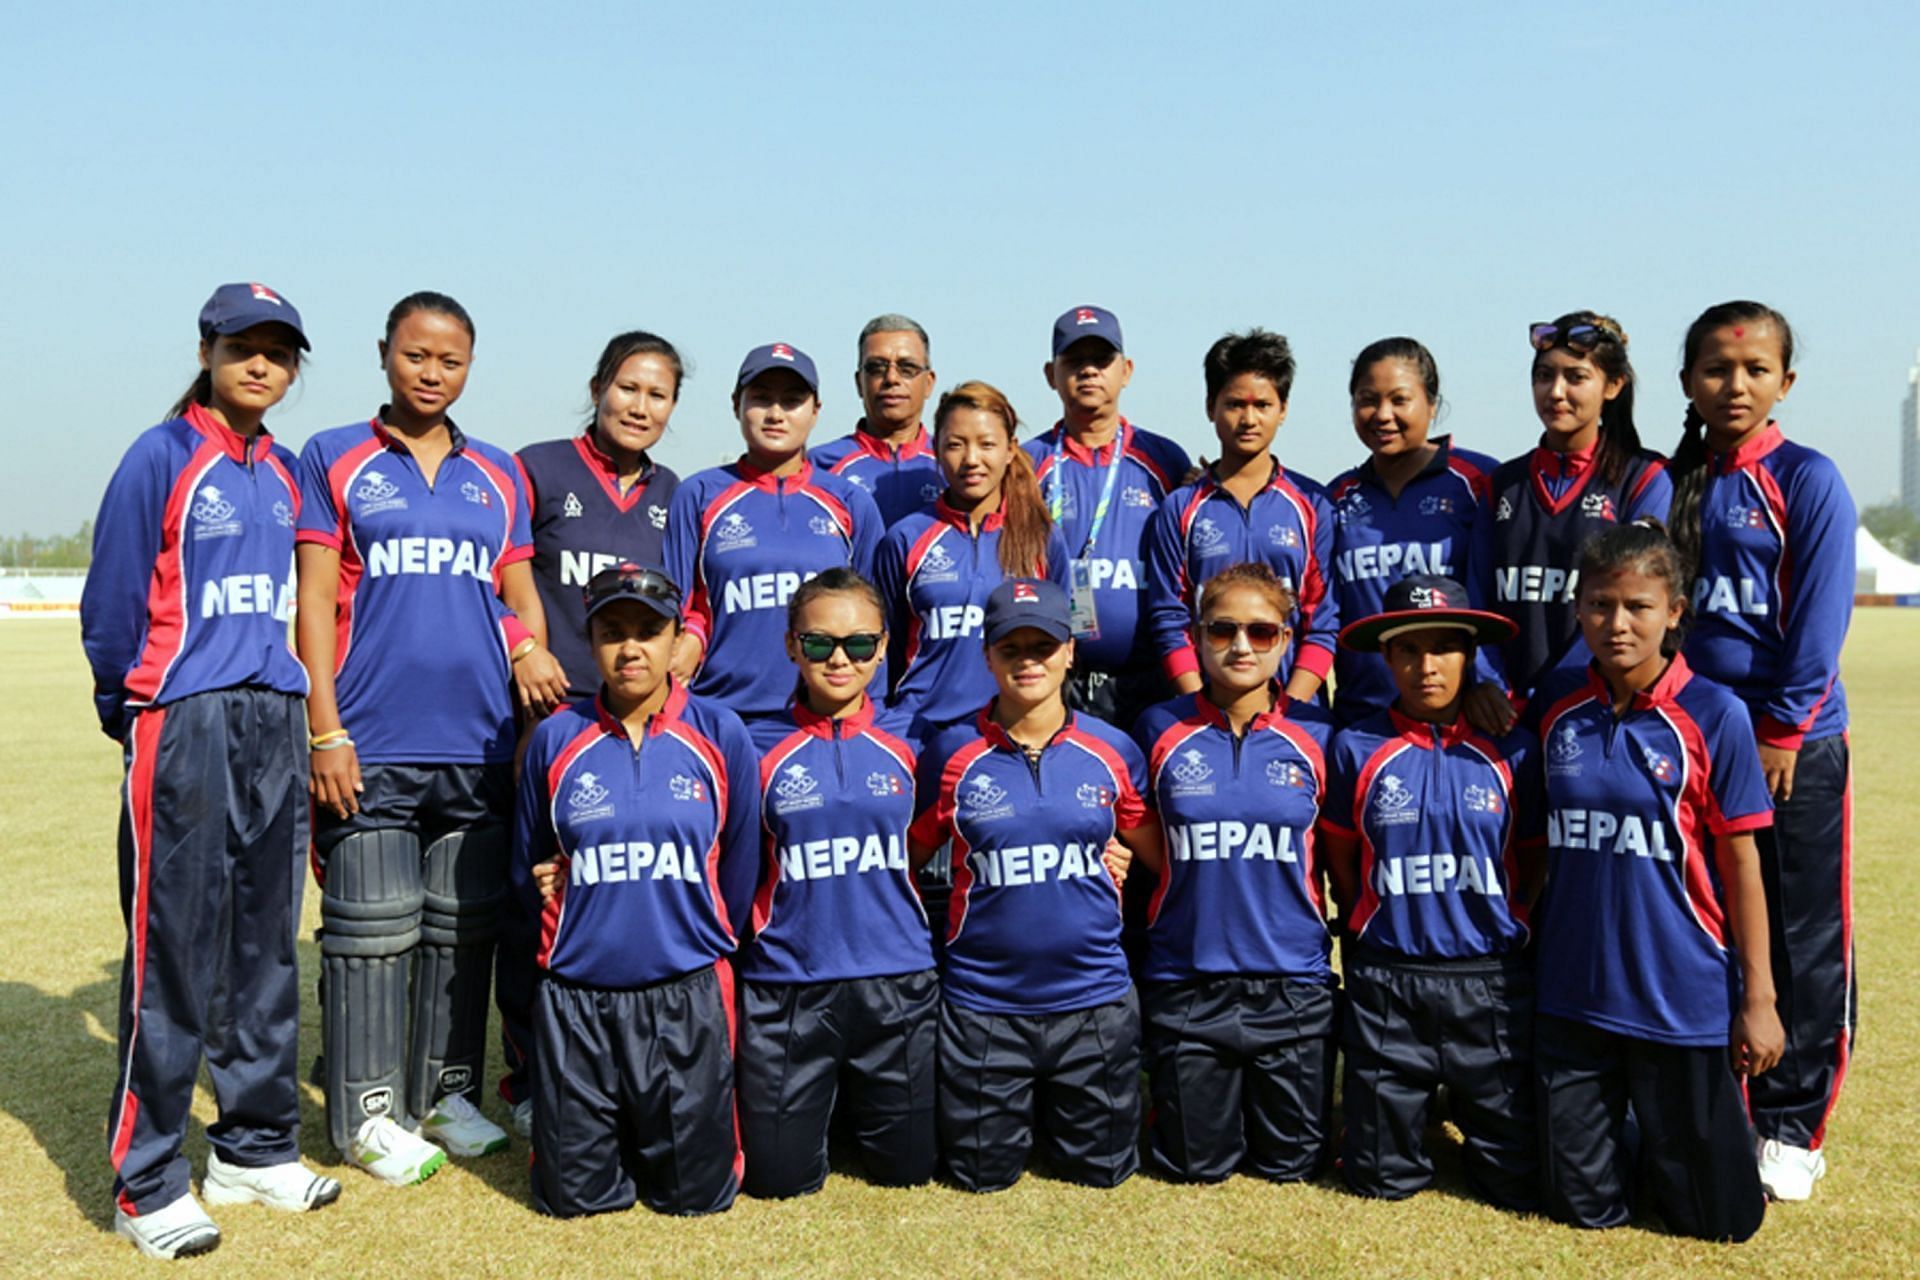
<point x="900" y="479"/>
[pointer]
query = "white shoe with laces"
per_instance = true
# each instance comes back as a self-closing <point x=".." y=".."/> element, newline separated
<point x="178" y="1230"/>
<point x="1788" y="1172"/>
<point x="456" y="1124"/>
<point x="290" y="1186"/>
<point x="393" y="1155"/>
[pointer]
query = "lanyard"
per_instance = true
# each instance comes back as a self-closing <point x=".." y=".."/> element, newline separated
<point x="1056" y="498"/>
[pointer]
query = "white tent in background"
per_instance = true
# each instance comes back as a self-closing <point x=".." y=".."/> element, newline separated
<point x="1879" y="572"/>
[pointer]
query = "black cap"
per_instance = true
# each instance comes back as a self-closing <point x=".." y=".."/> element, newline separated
<point x="1425" y="601"/>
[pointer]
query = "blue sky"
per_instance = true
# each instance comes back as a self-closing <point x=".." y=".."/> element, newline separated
<point x="729" y="176"/>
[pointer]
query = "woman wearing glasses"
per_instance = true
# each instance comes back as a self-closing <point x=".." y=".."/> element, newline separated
<point x="936" y="568"/>
<point x="838" y="994"/>
<point x="1237" y="991"/>
<point x="1587" y="475"/>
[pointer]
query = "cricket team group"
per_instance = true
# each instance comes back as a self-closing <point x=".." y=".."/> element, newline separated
<point x="914" y="795"/>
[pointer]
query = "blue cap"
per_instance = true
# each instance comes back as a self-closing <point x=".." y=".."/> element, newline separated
<point x="234" y="307"/>
<point x="1028" y="602"/>
<point x="777" y="355"/>
<point x="1086" y="322"/>
<point x="636" y="582"/>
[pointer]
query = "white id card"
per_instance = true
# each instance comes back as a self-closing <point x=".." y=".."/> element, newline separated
<point x="1082" y="613"/>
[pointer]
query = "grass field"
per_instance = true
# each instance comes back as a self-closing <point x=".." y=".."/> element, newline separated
<point x="60" y="946"/>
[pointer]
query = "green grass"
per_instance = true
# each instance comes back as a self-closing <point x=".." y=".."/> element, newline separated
<point x="60" y="944"/>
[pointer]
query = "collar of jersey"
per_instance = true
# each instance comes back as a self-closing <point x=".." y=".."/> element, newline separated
<point x="455" y="436"/>
<point x="615" y="727"/>
<point x="1114" y="449"/>
<point x="963" y="521"/>
<point x="1214" y="716"/>
<point x="1436" y="464"/>
<point x="1564" y="465"/>
<point x="231" y="442"/>
<point x="920" y="446"/>
<point x="812" y="722"/>
<point x="771" y="483"/>
<point x="1659" y="693"/>
<point x="1421" y="732"/>
<point x="601" y="461"/>
<point x="1273" y="481"/>
<point x="1000" y="739"/>
<point x="1764" y="442"/>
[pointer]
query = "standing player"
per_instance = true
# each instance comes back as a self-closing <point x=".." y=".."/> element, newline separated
<point x="743" y="537"/>
<point x="1588" y="475"/>
<point x="634" y="846"/>
<point x="888" y="453"/>
<point x="1655" y="991"/>
<point x="839" y="999"/>
<point x="1245" y="508"/>
<point x="1408" y="509"/>
<point x="1237" y="991"/>
<point x="937" y="567"/>
<point x="184" y="621"/>
<point x="1767" y="527"/>
<point x="1040" y="1027"/>
<point x="1432" y="837"/>
<point x="413" y="549"/>
<point x="1103" y="478"/>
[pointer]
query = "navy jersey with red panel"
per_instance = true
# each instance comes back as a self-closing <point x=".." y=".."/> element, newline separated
<point x="421" y="667"/>
<point x="1202" y="529"/>
<point x="657" y="840"/>
<point x="1542" y="507"/>
<point x="582" y="523"/>
<point x="191" y="585"/>
<point x="1633" y="927"/>
<point x="1140" y="468"/>
<point x="837" y="899"/>
<point x="1241" y="893"/>
<point x="740" y="541"/>
<point x="1440" y="813"/>
<point x="1033" y="926"/>
<point x="1379" y="539"/>
<point x="1774" y="592"/>
<point x="935" y="574"/>
<point x="900" y="479"/>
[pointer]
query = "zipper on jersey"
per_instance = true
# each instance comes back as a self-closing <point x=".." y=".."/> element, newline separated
<point x="1239" y="740"/>
<point x="839" y="755"/>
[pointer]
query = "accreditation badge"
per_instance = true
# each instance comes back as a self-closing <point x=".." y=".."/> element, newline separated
<point x="1082" y="612"/>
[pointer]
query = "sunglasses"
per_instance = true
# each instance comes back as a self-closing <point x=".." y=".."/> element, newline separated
<point x="1578" y="338"/>
<point x="818" y="646"/>
<point x="1261" y="636"/>
<point x="648" y="583"/>
<point x="877" y="368"/>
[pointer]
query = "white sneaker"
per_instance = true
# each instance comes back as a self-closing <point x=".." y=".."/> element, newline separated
<point x="291" y="1186"/>
<point x="390" y="1153"/>
<point x="456" y="1124"/>
<point x="179" y="1230"/>
<point x="1789" y="1172"/>
<point x="523" y="1118"/>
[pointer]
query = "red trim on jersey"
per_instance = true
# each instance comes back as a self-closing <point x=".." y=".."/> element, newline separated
<point x="936" y="825"/>
<point x="1489" y="751"/>
<point x="770" y="764"/>
<point x="144" y="751"/>
<point x="697" y="616"/>
<point x="1748" y="452"/>
<point x="169" y="611"/>
<point x="608" y="473"/>
<point x="1696" y="849"/>
<point x="1478" y="482"/>
<point x="723" y="970"/>
<point x="669" y="722"/>
<point x="866" y="444"/>
<point x="1130" y="808"/>
<point x="963" y="520"/>
<point x="835" y="509"/>
<point x="510" y="551"/>
<point x="553" y="911"/>
<point x="1578" y="464"/>
<point x="1843" y="1039"/>
<point x="1367" y="902"/>
<point x="1164" y="746"/>
<point x="1653" y="468"/>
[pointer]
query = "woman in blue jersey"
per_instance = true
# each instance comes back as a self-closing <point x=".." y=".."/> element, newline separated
<point x="1767" y="527"/>
<point x="743" y="537"/>
<point x="838" y="997"/>
<point x="936" y="568"/>
<point x="418" y="620"/>
<point x="1408" y="509"/>
<point x="1237" y="993"/>
<point x="1039" y="1027"/>
<point x="1654" y="987"/>
<point x="1588" y="474"/>
<point x="184" y="622"/>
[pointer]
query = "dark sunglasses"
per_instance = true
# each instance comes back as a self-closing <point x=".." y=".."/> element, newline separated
<point x="877" y="368"/>
<point x="1261" y="636"/>
<point x="629" y="580"/>
<point x="1577" y="338"/>
<point x="818" y="646"/>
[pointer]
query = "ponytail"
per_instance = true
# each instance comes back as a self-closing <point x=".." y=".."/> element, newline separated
<point x="1025" y="525"/>
<point x="200" y="393"/>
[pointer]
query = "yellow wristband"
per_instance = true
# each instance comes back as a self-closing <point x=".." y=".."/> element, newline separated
<point x="328" y="736"/>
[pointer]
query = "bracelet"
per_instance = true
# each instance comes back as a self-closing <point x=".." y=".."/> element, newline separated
<point x="333" y="745"/>
<point x="526" y="647"/>
<point x="328" y="736"/>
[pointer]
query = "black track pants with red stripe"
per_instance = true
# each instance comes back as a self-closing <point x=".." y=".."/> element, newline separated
<point x="1806" y="858"/>
<point x="213" y="830"/>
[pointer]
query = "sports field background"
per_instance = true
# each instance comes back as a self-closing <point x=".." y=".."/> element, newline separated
<point x="60" y="946"/>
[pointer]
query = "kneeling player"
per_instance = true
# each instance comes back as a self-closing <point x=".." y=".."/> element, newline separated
<point x="1425" y="826"/>
<point x="636" y="825"/>
<point x="1039" y="1024"/>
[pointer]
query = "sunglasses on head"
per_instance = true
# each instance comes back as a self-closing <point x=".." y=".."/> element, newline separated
<point x="818" y="646"/>
<point x="649" y="583"/>
<point x="1578" y="338"/>
<point x="1261" y="636"/>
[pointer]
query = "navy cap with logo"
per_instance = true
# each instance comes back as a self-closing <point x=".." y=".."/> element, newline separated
<point x="777" y="355"/>
<point x="1087" y="322"/>
<point x="1028" y="602"/>
<point x="234" y="307"/>
<point x="1421" y="601"/>
<point x="630" y="581"/>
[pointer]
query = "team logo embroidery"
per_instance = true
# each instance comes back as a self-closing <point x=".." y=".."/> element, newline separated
<point x="1084" y="316"/>
<point x="1093" y="796"/>
<point x="1207" y="538"/>
<point x="1435" y="504"/>
<point x="1286" y="773"/>
<point x="1661" y="765"/>
<point x="938" y="566"/>
<point x="1134" y="496"/>
<point x="860" y="480"/>
<point x="283" y="515"/>
<point x="588" y="799"/>
<point x="657" y="516"/>
<point x="781" y="351"/>
<point x="1481" y="799"/>
<point x="1281" y="535"/>
<point x="264" y="294"/>
<point x="1598" y="506"/>
<point x="1742" y="516"/>
<point x="928" y="492"/>
<point x="885" y="784"/>
<point x="377" y="493"/>
<point x="1427" y="598"/>
<point x="1353" y="506"/>
<point x="681" y="787"/>
<point x="732" y="533"/>
<point x="985" y="799"/>
<point x="1193" y="767"/>
<point x="1564" y="751"/>
<point x="475" y="494"/>
<point x="1504" y="511"/>
<point x="796" y="789"/>
<point x="571" y="508"/>
<point x="824" y="526"/>
<point x="1394" y="802"/>
<point x="1024" y="593"/>
<point x="376" y="1102"/>
<point x="213" y="514"/>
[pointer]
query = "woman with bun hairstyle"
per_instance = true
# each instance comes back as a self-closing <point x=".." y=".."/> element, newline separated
<point x="1766" y="527"/>
<point x="418" y="618"/>
<point x="936" y="568"/>
<point x="184" y="621"/>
